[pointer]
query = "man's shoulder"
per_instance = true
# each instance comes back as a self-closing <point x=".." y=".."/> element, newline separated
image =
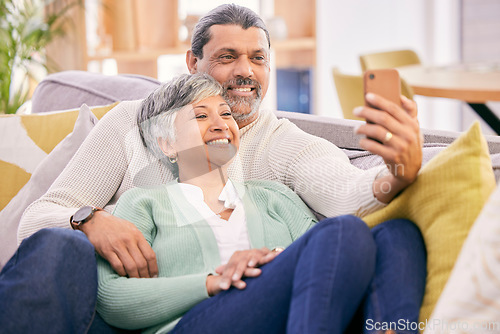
<point x="267" y="118"/>
<point x="273" y="125"/>
<point x="281" y="133"/>
<point x="124" y="109"/>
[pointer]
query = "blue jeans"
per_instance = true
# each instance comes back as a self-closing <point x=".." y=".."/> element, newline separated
<point x="317" y="284"/>
<point x="50" y="286"/>
<point x="396" y="291"/>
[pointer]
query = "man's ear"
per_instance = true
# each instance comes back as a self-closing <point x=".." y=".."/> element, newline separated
<point x="191" y="62"/>
<point x="166" y="147"/>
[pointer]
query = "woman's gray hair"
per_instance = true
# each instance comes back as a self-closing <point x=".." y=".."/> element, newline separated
<point x="157" y="112"/>
<point x="224" y="14"/>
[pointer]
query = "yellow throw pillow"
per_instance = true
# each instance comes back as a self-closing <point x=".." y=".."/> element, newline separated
<point x="25" y="140"/>
<point x="444" y="202"/>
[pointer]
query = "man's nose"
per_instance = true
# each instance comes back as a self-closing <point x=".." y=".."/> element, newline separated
<point x="243" y="67"/>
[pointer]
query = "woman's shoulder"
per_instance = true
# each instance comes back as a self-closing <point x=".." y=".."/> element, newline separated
<point x="270" y="188"/>
<point x="266" y="184"/>
<point x="272" y="194"/>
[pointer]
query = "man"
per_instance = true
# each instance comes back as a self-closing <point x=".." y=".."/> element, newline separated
<point x="237" y="55"/>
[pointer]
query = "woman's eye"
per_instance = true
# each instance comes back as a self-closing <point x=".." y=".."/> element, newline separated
<point x="201" y="116"/>
<point x="227" y="113"/>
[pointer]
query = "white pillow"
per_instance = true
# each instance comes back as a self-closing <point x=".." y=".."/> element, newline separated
<point x="470" y="302"/>
<point x="41" y="179"/>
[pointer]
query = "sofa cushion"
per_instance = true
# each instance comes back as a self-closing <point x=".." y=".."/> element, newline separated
<point x="43" y="176"/>
<point x="444" y="201"/>
<point x="70" y="89"/>
<point x="25" y="140"/>
<point x="472" y="294"/>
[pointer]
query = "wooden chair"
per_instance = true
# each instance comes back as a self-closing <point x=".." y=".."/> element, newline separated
<point x="391" y="59"/>
<point x="350" y="92"/>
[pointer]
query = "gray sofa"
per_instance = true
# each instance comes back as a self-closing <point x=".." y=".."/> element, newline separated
<point x="70" y="89"/>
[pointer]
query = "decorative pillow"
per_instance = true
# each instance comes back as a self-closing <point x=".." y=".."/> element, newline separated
<point x="444" y="201"/>
<point x="471" y="296"/>
<point x="42" y="178"/>
<point x="28" y="139"/>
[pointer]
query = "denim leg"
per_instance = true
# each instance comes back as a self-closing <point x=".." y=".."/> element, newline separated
<point x="397" y="290"/>
<point x="49" y="285"/>
<point x="314" y="286"/>
<point x="325" y="298"/>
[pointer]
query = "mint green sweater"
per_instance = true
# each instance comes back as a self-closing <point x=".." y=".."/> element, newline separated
<point x="186" y="250"/>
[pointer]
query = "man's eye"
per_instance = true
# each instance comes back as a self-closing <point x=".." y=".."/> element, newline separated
<point x="260" y="59"/>
<point x="227" y="57"/>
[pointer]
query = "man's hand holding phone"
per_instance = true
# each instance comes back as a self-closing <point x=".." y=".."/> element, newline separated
<point x="392" y="131"/>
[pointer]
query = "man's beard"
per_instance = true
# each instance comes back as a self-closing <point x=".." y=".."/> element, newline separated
<point x="243" y="107"/>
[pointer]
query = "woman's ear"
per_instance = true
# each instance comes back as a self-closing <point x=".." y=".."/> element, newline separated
<point x="166" y="147"/>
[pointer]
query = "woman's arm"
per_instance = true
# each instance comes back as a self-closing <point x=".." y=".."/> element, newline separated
<point x="134" y="303"/>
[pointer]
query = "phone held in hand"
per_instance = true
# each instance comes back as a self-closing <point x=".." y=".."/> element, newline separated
<point x="383" y="82"/>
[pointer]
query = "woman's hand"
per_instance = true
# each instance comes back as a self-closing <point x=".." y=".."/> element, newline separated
<point x="241" y="264"/>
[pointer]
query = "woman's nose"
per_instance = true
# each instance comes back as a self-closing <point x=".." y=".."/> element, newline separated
<point x="218" y="124"/>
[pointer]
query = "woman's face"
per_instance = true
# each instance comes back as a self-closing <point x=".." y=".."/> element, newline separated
<point x="205" y="132"/>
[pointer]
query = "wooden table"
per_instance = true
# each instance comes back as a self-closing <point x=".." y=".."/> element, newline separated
<point x="474" y="84"/>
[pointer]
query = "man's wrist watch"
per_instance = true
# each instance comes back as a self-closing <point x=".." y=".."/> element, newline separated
<point x="83" y="215"/>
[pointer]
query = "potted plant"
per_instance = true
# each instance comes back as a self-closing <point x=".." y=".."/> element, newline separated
<point x="24" y="32"/>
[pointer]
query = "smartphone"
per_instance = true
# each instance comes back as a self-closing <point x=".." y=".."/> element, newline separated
<point x="384" y="82"/>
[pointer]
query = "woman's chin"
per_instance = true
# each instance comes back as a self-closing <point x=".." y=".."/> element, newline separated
<point x="220" y="155"/>
<point x="201" y="160"/>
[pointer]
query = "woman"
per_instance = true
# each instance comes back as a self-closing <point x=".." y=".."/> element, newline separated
<point x="217" y="240"/>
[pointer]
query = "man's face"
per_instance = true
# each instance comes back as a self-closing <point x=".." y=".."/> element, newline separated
<point x="239" y="60"/>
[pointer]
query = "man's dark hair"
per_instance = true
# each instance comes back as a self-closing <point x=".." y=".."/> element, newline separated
<point x="224" y="14"/>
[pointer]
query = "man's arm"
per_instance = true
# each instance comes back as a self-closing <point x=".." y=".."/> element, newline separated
<point x="93" y="177"/>
<point x="321" y="174"/>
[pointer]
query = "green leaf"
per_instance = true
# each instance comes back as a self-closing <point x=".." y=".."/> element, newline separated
<point x="25" y="32"/>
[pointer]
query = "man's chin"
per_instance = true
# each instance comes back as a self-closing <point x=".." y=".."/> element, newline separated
<point x="244" y="117"/>
<point x="242" y="109"/>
